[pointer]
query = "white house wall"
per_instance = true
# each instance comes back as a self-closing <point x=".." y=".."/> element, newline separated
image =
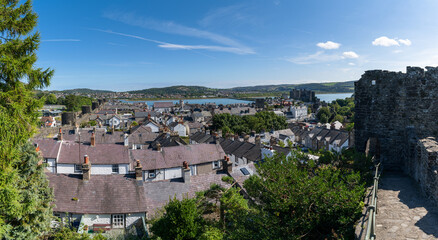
<point x="131" y="218"/>
<point x="181" y="130"/>
<point x="66" y="168"/>
<point x="95" y="169"/>
<point x="171" y="173"/>
<point x="159" y="175"/>
<point x="153" y="127"/>
<point x="91" y="219"/>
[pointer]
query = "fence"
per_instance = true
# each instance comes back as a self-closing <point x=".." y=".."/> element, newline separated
<point x="372" y="208"/>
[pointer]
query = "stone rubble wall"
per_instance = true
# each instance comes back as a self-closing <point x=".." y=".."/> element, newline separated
<point x="424" y="167"/>
<point x="397" y="109"/>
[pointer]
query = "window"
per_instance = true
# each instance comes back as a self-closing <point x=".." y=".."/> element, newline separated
<point x="115" y="168"/>
<point x="118" y="221"/>
<point x="216" y="165"/>
<point x="373" y="82"/>
<point x="78" y="168"/>
<point x="152" y="174"/>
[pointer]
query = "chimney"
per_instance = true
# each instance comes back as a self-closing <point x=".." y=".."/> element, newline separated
<point x="37" y="148"/>
<point x="257" y="140"/>
<point x="236" y="137"/>
<point x="159" y="147"/>
<point x="86" y="169"/>
<point x="246" y="138"/>
<point x="149" y="116"/>
<point x="93" y="140"/>
<point x="126" y="142"/>
<point x="138" y="171"/>
<point x="272" y="141"/>
<point x="186" y="172"/>
<point x="60" y="134"/>
<point x="227" y="165"/>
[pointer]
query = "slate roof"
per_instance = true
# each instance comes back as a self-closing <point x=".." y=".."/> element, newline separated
<point x="282" y="150"/>
<point x="195" y="125"/>
<point x="99" y="154"/>
<point x="48" y="147"/>
<point x="163" y="104"/>
<point x="340" y="139"/>
<point x="175" y="156"/>
<point x="312" y="134"/>
<point x="322" y="134"/>
<point x="167" y="140"/>
<point x="102" y="194"/>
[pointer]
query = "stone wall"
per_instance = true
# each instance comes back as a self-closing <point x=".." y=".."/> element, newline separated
<point x="396" y="109"/>
<point x="424" y="167"/>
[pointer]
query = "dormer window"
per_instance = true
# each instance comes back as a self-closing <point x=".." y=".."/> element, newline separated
<point x="115" y="168"/>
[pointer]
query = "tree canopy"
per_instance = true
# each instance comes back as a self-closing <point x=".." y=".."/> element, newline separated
<point x="290" y="198"/>
<point x="264" y="120"/>
<point x="25" y="196"/>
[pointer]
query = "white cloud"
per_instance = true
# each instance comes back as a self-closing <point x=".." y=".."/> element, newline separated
<point x="329" y="45"/>
<point x="406" y="42"/>
<point x="352" y="64"/>
<point x="175" y="28"/>
<point x="385" y="42"/>
<point x="202" y="47"/>
<point x="388" y="42"/>
<point x="350" y="54"/>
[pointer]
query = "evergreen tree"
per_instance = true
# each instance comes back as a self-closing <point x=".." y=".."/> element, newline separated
<point x="25" y="196"/>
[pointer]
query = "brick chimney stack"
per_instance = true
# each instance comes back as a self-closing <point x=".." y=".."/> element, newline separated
<point x="86" y="169"/>
<point x="227" y="165"/>
<point x="60" y="134"/>
<point x="257" y="140"/>
<point x="93" y="140"/>
<point x="138" y="171"/>
<point x="186" y="172"/>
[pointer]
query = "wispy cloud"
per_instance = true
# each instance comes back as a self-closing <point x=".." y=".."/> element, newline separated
<point x="322" y="57"/>
<point x="173" y="46"/>
<point x="61" y="40"/>
<point x="328" y="45"/>
<point x="388" y="42"/>
<point x="317" y="57"/>
<point x="174" y="28"/>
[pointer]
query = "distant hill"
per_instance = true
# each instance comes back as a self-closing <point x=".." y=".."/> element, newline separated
<point x="183" y="90"/>
<point x="83" y="91"/>
<point x="332" y="87"/>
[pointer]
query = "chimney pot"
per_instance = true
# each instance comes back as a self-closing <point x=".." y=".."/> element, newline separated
<point x="86" y="159"/>
<point x="86" y="169"/>
<point x="60" y="134"/>
<point x="93" y="140"/>
<point x="138" y="171"/>
<point x="159" y="147"/>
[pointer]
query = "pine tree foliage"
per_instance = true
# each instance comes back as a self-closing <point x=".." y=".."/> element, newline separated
<point x="25" y="196"/>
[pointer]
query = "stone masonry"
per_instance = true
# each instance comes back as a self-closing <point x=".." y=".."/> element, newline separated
<point x="395" y="110"/>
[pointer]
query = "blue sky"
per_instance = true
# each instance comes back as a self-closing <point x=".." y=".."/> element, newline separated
<point x="130" y="45"/>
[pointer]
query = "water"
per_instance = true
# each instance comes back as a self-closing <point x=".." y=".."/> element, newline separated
<point x="217" y="101"/>
<point x="333" y="96"/>
<point x="224" y="101"/>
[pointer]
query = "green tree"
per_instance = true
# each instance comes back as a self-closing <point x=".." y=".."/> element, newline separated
<point x="297" y="199"/>
<point x="339" y="118"/>
<point x="324" y="111"/>
<point x="25" y="196"/>
<point x="51" y="99"/>
<point x="181" y="220"/>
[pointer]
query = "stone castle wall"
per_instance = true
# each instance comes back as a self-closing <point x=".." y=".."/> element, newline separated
<point x="424" y="166"/>
<point x="396" y="110"/>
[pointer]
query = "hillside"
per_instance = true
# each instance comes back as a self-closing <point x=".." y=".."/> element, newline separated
<point x="332" y="87"/>
<point x="181" y="90"/>
<point x="83" y="91"/>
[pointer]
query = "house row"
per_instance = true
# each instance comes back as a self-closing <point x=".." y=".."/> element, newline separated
<point x="322" y="138"/>
<point x="105" y="186"/>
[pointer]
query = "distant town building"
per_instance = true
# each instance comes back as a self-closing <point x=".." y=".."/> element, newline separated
<point x="303" y="95"/>
<point x="299" y="112"/>
<point x="260" y="103"/>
